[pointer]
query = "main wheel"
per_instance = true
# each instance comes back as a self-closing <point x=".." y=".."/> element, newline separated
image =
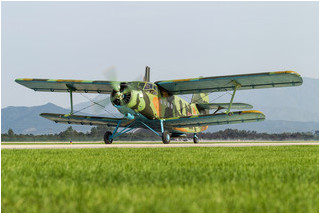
<point x="107" y="138"/>
<point x="166" y="137"/>
<point x="195" y="139"/>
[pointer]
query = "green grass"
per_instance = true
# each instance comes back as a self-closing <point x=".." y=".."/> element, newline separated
<point x="242" y="179"/>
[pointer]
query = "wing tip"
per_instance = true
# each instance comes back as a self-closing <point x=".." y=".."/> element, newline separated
<point x="285" y="72"/>
<point x="294" y="73"/>
<point x="23" y="79"/>
<point x="253" y="112"/>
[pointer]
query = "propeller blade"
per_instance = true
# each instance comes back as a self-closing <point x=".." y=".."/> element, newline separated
<point x="111" y="73"/>
<point x="101" y="101"/>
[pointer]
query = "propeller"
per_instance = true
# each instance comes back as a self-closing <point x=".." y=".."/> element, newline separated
<point x="120" y="95"/>
<point x="103" y="100"/>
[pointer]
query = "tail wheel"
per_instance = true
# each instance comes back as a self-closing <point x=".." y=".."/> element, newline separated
<point x="166" y="137"/>
<point x="195" y="139"/>
<point x="106" y="138"/>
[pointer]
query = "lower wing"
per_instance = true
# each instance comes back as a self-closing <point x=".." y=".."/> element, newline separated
<point x="224" y="105"/>
<point x="86" y="120"/>
<point x="217" y="119"/>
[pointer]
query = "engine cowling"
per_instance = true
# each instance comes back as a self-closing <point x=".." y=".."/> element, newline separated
<point x="121" y="96"/>
<point x="127" y="96"/>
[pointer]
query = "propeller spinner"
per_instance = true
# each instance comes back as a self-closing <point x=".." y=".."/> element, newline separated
<point x="121" y="95"/>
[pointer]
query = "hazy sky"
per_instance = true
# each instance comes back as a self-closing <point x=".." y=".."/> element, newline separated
<point x="79" y="40"/>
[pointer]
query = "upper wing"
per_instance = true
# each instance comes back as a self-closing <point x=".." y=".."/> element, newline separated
<point x="85" y="120"/>
<point x="217" y="119"/>
<point x="77" y="86"/>
<point x="227" y="83"/>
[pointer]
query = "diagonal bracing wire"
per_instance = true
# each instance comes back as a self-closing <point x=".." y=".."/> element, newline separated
<point x="94" y="103"/>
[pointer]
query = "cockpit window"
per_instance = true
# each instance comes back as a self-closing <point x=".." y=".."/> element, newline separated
<point x="148" y="86"/>
<point x="151" y="88"/>
<point x="141" y="85"/>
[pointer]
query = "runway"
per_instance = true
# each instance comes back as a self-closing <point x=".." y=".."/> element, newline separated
<point x="160" y="145"/>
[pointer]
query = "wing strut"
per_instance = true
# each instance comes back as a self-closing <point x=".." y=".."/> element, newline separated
<point x="71" y="89"/>
<point x="236" y="85"/>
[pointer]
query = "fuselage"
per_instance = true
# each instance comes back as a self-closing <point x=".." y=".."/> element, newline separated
<point x="146" y="99"/>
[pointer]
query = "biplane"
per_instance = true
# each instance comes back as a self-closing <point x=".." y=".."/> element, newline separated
<point x="157" y="106"/>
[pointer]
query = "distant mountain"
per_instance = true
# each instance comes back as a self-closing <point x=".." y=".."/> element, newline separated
<point x="26" y="120"/>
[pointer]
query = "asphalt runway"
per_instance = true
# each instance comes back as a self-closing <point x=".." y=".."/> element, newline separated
<point x="160" y="145"/>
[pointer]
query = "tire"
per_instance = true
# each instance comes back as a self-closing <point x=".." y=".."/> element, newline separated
<point x="106" y="138"/>
<point x="195" y="140"/>
<point x="166" y="137"/>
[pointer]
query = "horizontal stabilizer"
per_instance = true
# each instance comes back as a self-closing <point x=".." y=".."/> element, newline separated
<point x="216" y="119"/>
<point x="85" y="120"/>
<point x="225" y="105"/>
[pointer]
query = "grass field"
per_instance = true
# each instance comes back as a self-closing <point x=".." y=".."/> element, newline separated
<point x="240" y="179"/>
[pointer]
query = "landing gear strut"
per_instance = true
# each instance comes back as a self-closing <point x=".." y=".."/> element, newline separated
<point x="166" y="137"/>
<point x="106" y="138"/>
<point x="195" y="138"/>
<point x="109" y="136"/>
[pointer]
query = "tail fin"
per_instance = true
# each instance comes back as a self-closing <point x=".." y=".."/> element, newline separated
<point x="146" y="77"/>
<point x="201" y="98"/>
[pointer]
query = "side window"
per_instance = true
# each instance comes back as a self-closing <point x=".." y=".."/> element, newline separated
<point x="151" y="88"/>
<point x="141" y="85"/>
<point x="155" y="89"/>
<point x="148" y="86"/>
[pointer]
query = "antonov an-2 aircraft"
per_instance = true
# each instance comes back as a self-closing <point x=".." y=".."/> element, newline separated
<point x="157" y="107"/>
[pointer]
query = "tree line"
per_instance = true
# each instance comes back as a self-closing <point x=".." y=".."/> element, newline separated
<point x="97" y="133"/>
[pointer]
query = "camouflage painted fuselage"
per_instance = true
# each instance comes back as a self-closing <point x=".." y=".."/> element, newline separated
<point x="148" y="100"/>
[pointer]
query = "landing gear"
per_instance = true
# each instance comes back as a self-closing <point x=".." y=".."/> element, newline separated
<point x="106" y="138"/>
<point x="195" y="138"/>
<point x="110" y="136"/>
<point x="166" y="137"/>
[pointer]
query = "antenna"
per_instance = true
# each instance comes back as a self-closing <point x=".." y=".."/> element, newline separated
<point x="147" y="75"/>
